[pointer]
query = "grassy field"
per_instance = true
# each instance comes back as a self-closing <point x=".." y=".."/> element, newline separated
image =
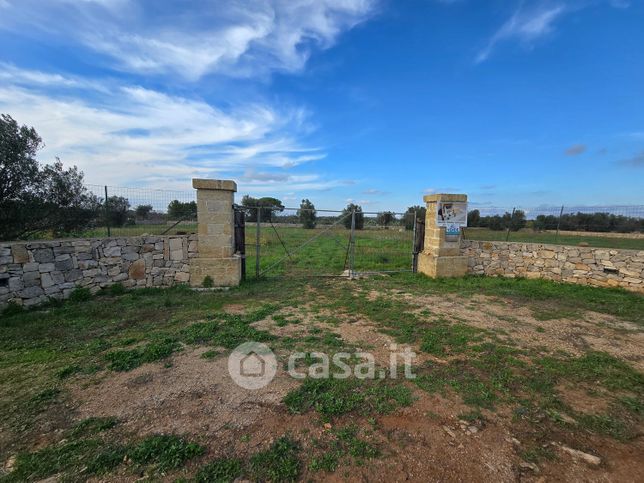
<point x="128" y="385"/>
<point x="320" y="251"/>
<point x="543" y="237"/>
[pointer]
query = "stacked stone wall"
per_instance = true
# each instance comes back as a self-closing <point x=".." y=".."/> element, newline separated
<point x="601" y="267"/>
<point x="33" y="272"/>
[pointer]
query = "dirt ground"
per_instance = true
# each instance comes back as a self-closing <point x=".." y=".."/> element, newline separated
<point x="423" y="442"/>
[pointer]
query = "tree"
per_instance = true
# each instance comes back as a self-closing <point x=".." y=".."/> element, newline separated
<point x="178" y="210"/>
<point x="420" y="211"/>
<point x="473" y="218"/>
<point x="117" y="209"/>
<point x="516" y="221"/>
<point x="143" y="211"/>
<point x="35" y="198"/>
<point x="385" y="218"/>
<point x="346" y="215"/>
<point x="307" y="214"/>
<point x="267" y="206"/>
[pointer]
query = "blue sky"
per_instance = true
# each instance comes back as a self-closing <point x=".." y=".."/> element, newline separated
<point x="520" y="103"/>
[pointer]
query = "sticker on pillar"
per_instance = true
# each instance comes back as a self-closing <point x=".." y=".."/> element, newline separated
<point x="452" y="230"/>
<point x="451" y="213"/>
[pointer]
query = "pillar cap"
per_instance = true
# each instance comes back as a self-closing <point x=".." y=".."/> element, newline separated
<point x="214" y="184"/>
<point x="444" y="197"/>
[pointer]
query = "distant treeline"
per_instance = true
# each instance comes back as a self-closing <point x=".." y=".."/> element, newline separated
<point x="599" y="222"/>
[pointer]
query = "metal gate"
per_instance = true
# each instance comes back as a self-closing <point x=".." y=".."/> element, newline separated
<point x="280" y="241"/>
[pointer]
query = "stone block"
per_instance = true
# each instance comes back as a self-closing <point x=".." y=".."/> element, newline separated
<point x="438" y="266"/>
<point x="43" y="255"/>
<point x="112" y="251"/>
<point x="46" y="267"/>
<point x="65" y="264"/>
<point x="225" y="272"/>
<point x="137" y="270"/>
<point x="20" y="253"/>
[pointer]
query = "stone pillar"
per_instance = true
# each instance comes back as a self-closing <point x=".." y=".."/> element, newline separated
<point x="215" y="219"/>
<point x="441" y="256"/>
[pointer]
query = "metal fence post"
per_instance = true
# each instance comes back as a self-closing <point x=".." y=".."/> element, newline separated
<point x="107" y="215"/>
<point x="507" y="235"/>
<point x="257" y="218"/>
<point x="559" y="224"/>
<point x="413" y="245"/>
<point x="352" y="242"/>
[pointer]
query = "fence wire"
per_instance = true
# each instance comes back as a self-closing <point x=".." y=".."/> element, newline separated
<point x="612" y="226"/>
<point x="310" y="242"/>
<point x="137" y="211"/>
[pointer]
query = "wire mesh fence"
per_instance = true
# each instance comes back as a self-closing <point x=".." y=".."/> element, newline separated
<point x="101" y="211"/>
<point x="611" y="226"/>
<point x="302" y="241"/>
<point x="137" y="211"/>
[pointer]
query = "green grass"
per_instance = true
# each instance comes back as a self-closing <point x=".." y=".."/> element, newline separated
<point x="529" y="236"/>
<point x="280" y="462"/>
<point x="93" y="425"/>
<point x="164" y="452"/>
<point x="76" y="459"/>
<point x="45" y="351"/>
<point x="288" y="250"/>
<point x="126" y="360"/>
<point x="222" y="470"/>
<point x="335" y="397"/>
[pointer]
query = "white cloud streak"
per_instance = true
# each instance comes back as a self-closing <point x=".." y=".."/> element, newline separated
<point x="126" y="134"/>
<point x="242" y="39"/>
<point x="525" y="25"/>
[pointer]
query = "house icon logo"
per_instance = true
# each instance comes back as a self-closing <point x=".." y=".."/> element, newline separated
<point x="252" y="365"/>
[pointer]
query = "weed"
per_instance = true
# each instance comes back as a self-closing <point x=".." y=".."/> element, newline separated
<point x="86" y="456"/>
<point x="220" y="471"/>
<point x="165" y="452"/>
<point x="444" y="338"/>
<point x="334" y="397"/>
<point x="211" y="354"/>
<point x="41" y="400"/>
<point x="12" y="308"/>
<point x="116" y="289"/>
<point x="535" y="454"/>
<point x="278" y="463"/>
<point x="208" y="282"/>
<point x="228" y="331"/>
<point x="80" y="295"/>
<point x="126" y="360"/>
<point x="605" y="424"/>
<point x="327" y="462"/>
<point x="93" y="425"/>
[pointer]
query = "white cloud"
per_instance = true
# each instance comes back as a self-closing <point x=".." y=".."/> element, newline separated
<point x="228" y="37"/>
<point x="535" y="19"/>
<point x="126" y="134"/>
<point x="525" y="25"/>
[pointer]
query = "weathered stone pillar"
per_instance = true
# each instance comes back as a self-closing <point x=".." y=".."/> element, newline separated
<point x="441" y="256"/>
<point x="215" y="218"/>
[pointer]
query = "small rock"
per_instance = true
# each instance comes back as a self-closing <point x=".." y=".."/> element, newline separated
<point x="327" y="426"/>
<point x="588" y="458"/>
<point x="10" y="464"/>
<point x="514" y="441"/>
<point x="449" y="431"/>
<point x="472" y="429"/>
<point x="567" y="419"/>
<point x="529" y="466"/>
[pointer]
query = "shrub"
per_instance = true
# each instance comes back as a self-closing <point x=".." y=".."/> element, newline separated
<point x="208" y="282"/>
<point x="80" y="295"/>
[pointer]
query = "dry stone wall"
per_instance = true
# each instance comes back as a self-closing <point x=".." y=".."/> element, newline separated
<point x="32" y="272"/>
<point x="582" y="265"/>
